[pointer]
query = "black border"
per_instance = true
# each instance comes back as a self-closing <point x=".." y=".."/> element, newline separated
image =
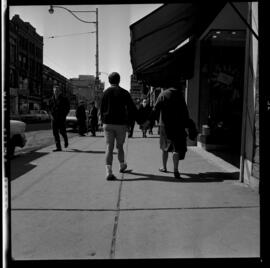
<point x="264" y="120"/>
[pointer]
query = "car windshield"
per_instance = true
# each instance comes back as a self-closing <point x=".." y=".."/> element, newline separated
<point x="72" y="113"/>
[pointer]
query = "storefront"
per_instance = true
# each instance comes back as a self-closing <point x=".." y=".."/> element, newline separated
<point x="208" y="48"/>
<point x="221" y="89"/>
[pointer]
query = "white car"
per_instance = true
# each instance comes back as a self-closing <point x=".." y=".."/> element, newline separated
<point x="16" y="136"/>
<point x="36" y="116"/>
<point x="71" y="119"/>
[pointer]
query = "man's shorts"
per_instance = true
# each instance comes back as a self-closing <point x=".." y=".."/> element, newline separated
<point x="114" y="133"/>
<point x="178" y="146"/>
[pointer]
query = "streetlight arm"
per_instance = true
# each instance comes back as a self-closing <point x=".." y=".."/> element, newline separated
<point x="72" y="13"/>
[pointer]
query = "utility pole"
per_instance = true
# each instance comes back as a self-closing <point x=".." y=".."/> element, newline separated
<point x="97" y="54"/>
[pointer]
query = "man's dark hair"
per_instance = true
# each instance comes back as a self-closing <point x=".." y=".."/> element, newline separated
<point x="114" y="78"/>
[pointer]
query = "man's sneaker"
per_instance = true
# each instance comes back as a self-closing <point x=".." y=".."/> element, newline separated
<point x="57" y="150"/>
<point x="123" y="168"/>
<point x="111" y="177"/>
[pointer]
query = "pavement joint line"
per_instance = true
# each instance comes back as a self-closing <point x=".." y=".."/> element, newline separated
<point x="134" y="209"/>
<point x="116" y="219"/>
<point x="44" y="175"/>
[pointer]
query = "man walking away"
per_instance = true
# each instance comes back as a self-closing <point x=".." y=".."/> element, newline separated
<point x="81" y="118"/>
<point x="117" y="110"/>
<point x="59" y="107"/>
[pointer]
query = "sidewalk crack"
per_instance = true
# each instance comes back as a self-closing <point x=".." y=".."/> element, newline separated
<point x="116" y="220"/>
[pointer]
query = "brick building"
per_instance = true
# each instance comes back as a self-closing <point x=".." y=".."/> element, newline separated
<point x="50" y="78"/>
<point x="25" y="66"/>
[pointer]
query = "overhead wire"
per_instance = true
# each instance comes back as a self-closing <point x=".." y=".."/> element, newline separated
<point x="65" y="35"/>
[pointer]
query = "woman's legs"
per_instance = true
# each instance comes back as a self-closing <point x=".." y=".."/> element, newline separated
<point x="175" y="157"/>
<point x="164" y="159"/>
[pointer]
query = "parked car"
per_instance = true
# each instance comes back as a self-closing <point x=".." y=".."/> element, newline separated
<point x="71" y="120"/>
<point x="35" y="116"/>
<point x="16" y="136"/>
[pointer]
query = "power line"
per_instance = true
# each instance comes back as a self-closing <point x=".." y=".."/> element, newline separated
<point x="57" y="36"/>
<point x="63" y="68"/>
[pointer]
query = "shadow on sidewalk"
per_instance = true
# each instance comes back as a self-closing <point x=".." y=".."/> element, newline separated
<point x="20" y="164"/>
<point x="188" y="177"/>
<point x="89" y="152"/>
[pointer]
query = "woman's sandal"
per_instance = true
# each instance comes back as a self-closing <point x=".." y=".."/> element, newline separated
<point x="177" y="175"/>
<point x="162" y="170"/>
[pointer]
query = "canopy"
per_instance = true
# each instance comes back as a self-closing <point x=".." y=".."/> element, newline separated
<point x="163" y="30"/>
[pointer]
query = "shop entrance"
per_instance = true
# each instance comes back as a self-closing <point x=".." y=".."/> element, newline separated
<point x="221" y="93"/>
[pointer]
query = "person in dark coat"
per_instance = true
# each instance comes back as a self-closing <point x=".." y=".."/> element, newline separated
<point x="59" y="107"/>
<point x="174" y="119"/>
<point x="144" y="112"/>
<point x="131" y="126"/>
<point x="93" y="119"/>
<point x="81" y="118"/>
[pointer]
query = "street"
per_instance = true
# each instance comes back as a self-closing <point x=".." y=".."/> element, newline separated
<point x="38" y="126"/>
<point x="39" y="135"/>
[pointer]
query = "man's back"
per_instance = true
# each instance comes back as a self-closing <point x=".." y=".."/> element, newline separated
<point x="116" y="106"/>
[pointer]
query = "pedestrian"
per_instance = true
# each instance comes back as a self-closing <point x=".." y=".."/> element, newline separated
<point x="93" y="119"/>
<point x="59" y="107"/>
<point x="81" y="118"/>
<point x="151" y="126"/>
<point x="131" y="128"/>
<point x="117" y="110"/>
<point x="144" y="112"/>
<point x="174" y="119"/>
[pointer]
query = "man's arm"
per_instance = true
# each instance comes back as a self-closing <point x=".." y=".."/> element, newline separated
<point x="102" y="107"/>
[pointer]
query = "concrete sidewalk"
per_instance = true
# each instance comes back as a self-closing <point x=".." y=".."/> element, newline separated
<point x="65" y="209"/>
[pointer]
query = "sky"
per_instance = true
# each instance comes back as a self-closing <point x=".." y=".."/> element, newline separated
<point x="72" y="50"/>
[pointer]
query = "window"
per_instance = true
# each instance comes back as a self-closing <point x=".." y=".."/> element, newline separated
<point x="12" y="54"/>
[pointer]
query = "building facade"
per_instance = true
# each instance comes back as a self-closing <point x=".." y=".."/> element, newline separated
<point x="25" y="66"/>
<point x="223" y="93"/>
<point x="86" y="89"/>
<point x="50" y="78"/>
<point x="136" y="89"/>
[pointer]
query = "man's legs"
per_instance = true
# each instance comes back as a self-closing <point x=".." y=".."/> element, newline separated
<point x="62" y="127"/>
<point x="109" y="134"/>
<point x="120" y="140"/>
<point x="55" y="128"/>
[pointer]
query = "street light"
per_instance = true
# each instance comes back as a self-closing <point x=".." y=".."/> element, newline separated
<point x="72" y="12"/>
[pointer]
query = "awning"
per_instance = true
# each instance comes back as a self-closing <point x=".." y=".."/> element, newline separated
<point x="171" y="69"/>
<point x="163" y="30"/>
